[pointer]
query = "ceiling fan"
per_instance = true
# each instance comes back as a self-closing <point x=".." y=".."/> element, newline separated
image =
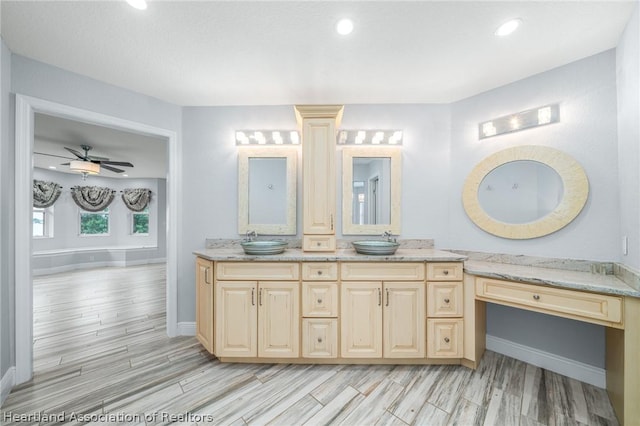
<point x="103" y="162"/>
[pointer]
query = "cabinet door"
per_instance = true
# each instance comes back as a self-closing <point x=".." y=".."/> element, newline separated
<point x="404" y="320"/>
<point x="320" y="338"/>
<point x="204" y="303"/>
<point x="445" y="338"/>
<point x="319" y="299"/>
<point x="361" y="319"/>
<point x="279" y="319"/>
<point x="318" y="168"/>
<point x="236" y="318"/>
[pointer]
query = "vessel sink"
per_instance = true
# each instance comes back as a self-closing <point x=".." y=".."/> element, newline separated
<point x="375" y="247"/>
<point x="263" y="247"/>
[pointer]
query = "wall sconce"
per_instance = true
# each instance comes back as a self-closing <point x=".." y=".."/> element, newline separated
<point x="267" y="137"/>
<point x="520" y="121"/>
<point x="369" y="137"/>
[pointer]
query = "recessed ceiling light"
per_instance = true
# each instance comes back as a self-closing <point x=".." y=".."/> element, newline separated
<point x="125" y="175"/>
<point x="344" y="26"/>
<point x="52" y="167"/>
<point x="138" y="4"/>
<point x="508" y="27"/>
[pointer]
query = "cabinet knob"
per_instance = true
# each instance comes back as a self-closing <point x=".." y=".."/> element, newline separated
<point x="319" y="272"/>
<point x="446" y="339"/>
<point x="446" y="300"/>
<point x="319" y="339"/>
<point x="318" y="243"/>
<point x="446" y="272"/>
<point x="536" y="297"/>
<point x="319" y="301"/>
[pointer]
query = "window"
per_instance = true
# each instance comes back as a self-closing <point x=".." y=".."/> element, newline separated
<point x="94" y="223"/>
<point x="140" y="222"/>
<point x="42" y="222"/>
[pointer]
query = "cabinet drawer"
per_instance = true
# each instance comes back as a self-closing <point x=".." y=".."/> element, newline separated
<point x="381" y="271"/>
<point x="598" y="308"/>
<point x="444" y="271"/>
<point x="319" y="271"/>
<point x="444" y="299"/>
<point x="263" y="271"/>
<point x="319" y="338"/>
<point x="319" y="243"/>
<point x="444" y="338"/>
<point x="319" y="299"/>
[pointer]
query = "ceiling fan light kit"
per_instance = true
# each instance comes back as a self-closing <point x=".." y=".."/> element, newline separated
<point x="84" y="167"/>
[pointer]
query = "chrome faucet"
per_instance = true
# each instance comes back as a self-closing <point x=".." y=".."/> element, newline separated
<point x="250" y="235"/>
<point x="389" y="236"/>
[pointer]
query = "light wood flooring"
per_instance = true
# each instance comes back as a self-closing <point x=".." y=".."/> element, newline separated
<point x="100" y="348"/>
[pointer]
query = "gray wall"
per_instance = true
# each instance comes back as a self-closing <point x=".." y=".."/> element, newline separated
<point x="7" y="275"/>
<point x="628" y="73"/>
<point x="586" y="91"/>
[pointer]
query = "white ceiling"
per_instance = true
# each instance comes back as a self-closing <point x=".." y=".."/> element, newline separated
<point x="147" y="154"/>
<point x="287" y="52"/>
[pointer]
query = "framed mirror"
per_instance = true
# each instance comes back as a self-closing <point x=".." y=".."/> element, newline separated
<point x="267" y="190"/>
<point x="371" y="190"/>
<point x="525" y="192"/>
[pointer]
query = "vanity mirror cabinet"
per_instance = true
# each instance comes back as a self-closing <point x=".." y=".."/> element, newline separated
<point x="267" y="186"/>
<point x="371" y="190"/>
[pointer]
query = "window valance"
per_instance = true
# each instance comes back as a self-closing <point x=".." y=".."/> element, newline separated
<point x="92" y="198"/>
<point x="136" y="199"/>
<point x="45" y="194"/>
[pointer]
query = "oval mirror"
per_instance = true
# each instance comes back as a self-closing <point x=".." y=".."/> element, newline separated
<point x="520" y="191"/>
<point x="525" y="192"/>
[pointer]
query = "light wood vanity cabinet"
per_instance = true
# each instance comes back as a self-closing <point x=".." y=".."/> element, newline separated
<point x="318" y="125"/>
<point x="382" y="318"/>
<point x="320" y="310"/>
<point x="257" y="318"/>
<point x="204" y="303"/>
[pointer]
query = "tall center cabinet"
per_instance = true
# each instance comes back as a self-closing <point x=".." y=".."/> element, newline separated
<point x="318" y="124"/>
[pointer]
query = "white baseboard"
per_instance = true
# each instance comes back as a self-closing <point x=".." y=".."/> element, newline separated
<point x="186" y="329"/>
<point x="7" y="383"/>
<point x="90" y="265"/>
<point x="558" y="364"/>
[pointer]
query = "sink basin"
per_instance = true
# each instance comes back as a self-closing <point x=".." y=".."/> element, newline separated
<point x="375" y="247"/>
<point x="263" y="247"/>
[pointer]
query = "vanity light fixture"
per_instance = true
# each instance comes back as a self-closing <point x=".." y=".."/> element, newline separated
<point x="508" y="27"/>
<point x="520" y="121"/>
<point x="369" y="137"/>
<point x="267" y="137"/>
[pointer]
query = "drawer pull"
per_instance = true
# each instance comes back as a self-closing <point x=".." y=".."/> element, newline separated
<point x="319" y="339"/>
<point x="446" y="272"/>
<point x="536" y="297"/>
<point x="446" y="300"/>
<point x="446" y="339"/>
<point x="319" y="301"/>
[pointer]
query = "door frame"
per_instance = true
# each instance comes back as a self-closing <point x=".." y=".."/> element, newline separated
<point x="26" y="107"/>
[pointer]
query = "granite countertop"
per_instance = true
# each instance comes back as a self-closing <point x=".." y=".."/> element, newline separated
<point x="342" y="255"/>
<point x="576" y="280"/>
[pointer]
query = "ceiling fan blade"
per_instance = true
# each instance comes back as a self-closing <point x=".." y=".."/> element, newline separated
<point x="76" y="153"/>
<point x="115" y="163"/>
<point x="65" y="164"/>
<point x="53" y="155"/>
<point x="113" y="169"/>
<point x="93" y="157"/>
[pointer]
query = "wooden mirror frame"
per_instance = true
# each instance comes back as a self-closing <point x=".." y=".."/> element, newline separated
<point x="348" y="154"/>
<point x="574" y="180"/>
<point x="246" y="153"/>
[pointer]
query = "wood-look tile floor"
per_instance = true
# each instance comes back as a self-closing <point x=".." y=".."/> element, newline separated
<point x="102" y="356"/>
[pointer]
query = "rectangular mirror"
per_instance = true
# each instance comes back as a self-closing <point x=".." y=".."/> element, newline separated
<point x="371" y="182"/>
<point x="267" y="190"/>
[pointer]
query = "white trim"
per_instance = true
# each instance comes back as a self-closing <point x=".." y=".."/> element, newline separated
<point x="556" y="363"/>
<point x="187" y="328"/>
<point x="26" y="107"/>
<point x="7" y="383"/>
<point x="90" y="265"/>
